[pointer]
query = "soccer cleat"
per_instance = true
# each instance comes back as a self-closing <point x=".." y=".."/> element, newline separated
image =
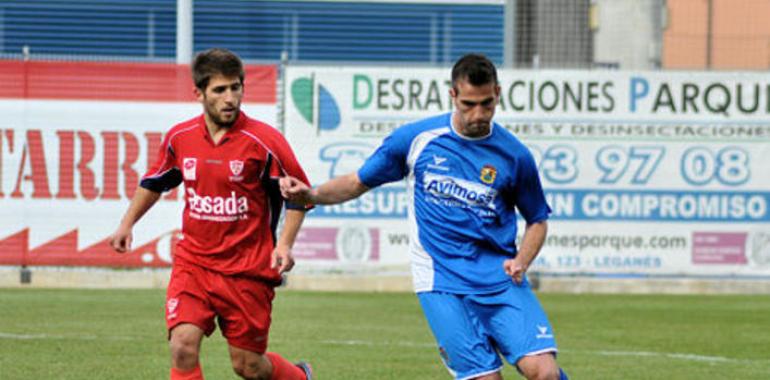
<point x="306" y="368"/>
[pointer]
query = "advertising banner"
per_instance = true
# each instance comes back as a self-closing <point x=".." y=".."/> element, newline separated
<point x="647" y="173"/>
<point x="68" y="170"/>
<point x="74" y="140"/>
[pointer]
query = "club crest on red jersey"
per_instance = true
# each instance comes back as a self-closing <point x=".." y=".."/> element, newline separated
<point x="236" y="168"/>
<point x="488" y="174"/>
<point x="189" y="168"/>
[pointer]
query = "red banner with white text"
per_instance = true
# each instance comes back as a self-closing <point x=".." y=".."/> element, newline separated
<point x="75" y="138"/>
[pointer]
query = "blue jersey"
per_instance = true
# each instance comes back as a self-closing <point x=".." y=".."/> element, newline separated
<point x="463" y="196"/>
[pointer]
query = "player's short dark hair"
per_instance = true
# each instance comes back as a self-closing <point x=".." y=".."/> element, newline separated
<point x="215" y="61"/>
<point x="477" y="69"/>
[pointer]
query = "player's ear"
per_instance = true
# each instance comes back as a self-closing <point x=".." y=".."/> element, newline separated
<point x="198" y="93"/>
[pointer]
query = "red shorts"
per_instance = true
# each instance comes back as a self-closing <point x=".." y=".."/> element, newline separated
<point x="241" y="305"/>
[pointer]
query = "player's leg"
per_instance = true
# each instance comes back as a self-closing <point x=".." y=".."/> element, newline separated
<point x="463" y="344"/>
<point x="250" y="365"/>
<point x="521" y="330"/>
<point x="540" y="367"/>
<point x="188" y="318"/>
<point x="244" y="307"/>
<point x="185" y="342"/>
<point x="270" y="366"/>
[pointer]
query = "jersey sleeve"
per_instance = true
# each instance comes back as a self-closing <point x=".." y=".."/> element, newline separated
<point x="528" y="194"/>
<point x="164" y="174"/>
<point x="388" y="162"/>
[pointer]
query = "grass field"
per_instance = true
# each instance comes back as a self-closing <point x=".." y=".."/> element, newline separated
<point x="120" y="334"/>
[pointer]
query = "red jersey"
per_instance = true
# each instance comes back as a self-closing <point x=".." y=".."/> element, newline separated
<point x="232" y="199"/>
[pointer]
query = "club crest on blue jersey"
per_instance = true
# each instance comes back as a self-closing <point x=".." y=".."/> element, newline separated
<point x="488" y="174"/>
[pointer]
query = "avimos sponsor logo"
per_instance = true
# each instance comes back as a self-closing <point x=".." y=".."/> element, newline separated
<point x="466" y="192"/>
<point x="315" y="104"/>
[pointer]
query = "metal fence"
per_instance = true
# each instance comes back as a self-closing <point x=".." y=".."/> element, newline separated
<point x="589" y="34"/>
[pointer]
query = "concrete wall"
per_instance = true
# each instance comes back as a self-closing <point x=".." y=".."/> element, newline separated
<point x="394" y="282"/>
<point x="627" y="33"/>
<point x="563" y="37"/>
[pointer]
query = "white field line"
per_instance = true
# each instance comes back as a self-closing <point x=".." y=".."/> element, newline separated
<point x="12" y="336"/>
<point x="669" y="355"/>
<point x="381" y="344"/>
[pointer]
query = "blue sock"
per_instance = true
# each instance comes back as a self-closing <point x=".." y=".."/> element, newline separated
<point x="562" y="375"/>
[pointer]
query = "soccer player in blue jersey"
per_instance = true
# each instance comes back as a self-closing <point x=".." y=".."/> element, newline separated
<point x="466" y="177"/>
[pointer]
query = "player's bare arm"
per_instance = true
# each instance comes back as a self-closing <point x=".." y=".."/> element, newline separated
<point x="143" y="200"/>
<point x="531" y="242"/>
<point x="282" y="258"/>
<point x="336" y="190"/>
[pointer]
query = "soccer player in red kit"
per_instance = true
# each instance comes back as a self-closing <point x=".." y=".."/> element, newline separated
<point x="229" y="259"/>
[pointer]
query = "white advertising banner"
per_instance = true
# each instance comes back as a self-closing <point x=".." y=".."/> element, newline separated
<point x="68" y="170"/>
<point x="647" y="173"/>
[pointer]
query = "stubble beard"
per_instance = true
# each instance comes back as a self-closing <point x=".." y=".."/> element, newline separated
<point x="477" y="129"/>
<point x="216" y="117"/>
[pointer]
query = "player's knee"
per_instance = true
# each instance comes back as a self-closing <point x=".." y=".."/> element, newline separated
<point x="543" y="371"/>
<point x="184" y="352"/>
<point x="539" y="368"/>
<point x="184" y="355"/>
<point x="251" y="370"/>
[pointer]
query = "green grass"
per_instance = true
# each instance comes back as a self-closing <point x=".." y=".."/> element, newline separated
<point x="120" y="334"/>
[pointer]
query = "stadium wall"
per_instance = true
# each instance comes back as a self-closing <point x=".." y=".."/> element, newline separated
<point x="96" y="278"/>
<point x="656" y="179"/>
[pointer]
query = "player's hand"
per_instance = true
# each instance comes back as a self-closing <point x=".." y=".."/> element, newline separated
<point x="294" y="190"/>
<point x="121" y="240"/>
<point x="282" y="259"/>
<point x="515" y="269"/>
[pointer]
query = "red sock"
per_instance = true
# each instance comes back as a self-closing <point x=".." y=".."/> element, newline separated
<point x="193" y="374"/>
<point x="283" y="369"/>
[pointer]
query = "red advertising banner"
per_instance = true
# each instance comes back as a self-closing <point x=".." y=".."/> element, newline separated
<point x="154" y="82"/>
<point x="75" y="138"/>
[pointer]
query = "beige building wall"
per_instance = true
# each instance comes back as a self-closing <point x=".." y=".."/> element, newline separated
<point x="740" y="35"/>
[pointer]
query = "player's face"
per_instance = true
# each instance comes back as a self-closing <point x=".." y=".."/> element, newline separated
<point x="222" y="99"/>
<point x="475" y="107"/>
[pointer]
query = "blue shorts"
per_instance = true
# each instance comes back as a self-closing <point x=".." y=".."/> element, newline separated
<point x="471" y="329"/>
